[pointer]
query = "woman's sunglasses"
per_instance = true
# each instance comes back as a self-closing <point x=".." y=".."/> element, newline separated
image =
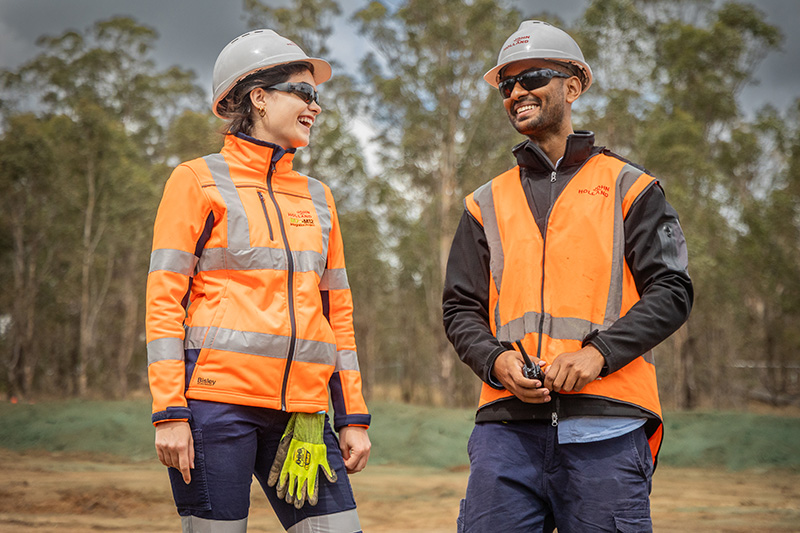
<point x="304" y="90"/>
<point x="529" y="80"/>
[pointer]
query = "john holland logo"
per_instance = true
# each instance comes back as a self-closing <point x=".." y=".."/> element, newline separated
<point x="301" y="218"/>
<point x="523" y="39"/>
<point x="600" y="190"/>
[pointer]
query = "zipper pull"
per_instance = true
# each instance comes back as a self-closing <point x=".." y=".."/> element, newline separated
<point x="553" y="177"/>
<point x="554" y="419"/>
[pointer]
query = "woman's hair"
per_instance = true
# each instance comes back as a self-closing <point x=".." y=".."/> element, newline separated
<point x="237" y="107"/>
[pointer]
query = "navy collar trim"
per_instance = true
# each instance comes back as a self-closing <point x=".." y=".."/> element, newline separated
<point x="277" y="151"/>
<point x="580" y="146"/>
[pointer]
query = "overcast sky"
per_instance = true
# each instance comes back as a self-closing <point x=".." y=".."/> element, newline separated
<point x="192" y="33"/>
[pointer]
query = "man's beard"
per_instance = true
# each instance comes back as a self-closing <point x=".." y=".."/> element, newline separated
<point x="549" y="118"/>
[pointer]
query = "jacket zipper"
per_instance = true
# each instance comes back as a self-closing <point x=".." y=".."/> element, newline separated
<point x="264" y="207"/>
<point x="554" y="413"/>
<point x="289" y="288"/>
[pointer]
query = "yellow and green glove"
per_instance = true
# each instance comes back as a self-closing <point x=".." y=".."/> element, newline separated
<point x="301" y="453"/>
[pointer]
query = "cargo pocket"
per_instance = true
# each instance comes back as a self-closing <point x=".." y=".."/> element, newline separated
<point x="633" y="521"/>
<point x="194" y="496"/>
<point x="460" y="520"/>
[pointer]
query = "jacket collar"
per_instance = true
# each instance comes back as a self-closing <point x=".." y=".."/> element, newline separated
<point x="580" y="146"/>
<point x="257" y="154"/>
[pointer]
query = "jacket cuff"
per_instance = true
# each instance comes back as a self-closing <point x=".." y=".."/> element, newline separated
<point x="172" y="413"/>
<point x="489" y="378"/>
<point x="339" y="421"/>
<point x="594" y="339"/>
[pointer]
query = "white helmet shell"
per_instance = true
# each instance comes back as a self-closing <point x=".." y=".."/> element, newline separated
<point x="258" y="50"/>
<point x="539" y="40"/>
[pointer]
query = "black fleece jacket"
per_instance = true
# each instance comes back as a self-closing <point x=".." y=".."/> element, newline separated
<point x="655" y="251"/>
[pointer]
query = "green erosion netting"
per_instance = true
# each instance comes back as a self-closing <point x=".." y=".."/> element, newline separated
<point x="403" y="434"/>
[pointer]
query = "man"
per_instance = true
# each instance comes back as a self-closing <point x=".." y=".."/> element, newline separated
<point x="574" y="260"/>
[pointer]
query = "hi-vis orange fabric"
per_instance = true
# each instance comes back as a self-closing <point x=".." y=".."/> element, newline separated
<point x="551" y="291"/>
<point x="247" y="296"/>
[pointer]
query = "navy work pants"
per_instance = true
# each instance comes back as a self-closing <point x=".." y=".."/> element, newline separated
<point x="235" y="442"/>
<point x="521" y="479"/>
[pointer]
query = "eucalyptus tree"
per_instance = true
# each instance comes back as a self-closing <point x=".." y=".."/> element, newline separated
<point x="441" y="134"/>
<point x="669" y="74"/>
<point x="115" y="105"/>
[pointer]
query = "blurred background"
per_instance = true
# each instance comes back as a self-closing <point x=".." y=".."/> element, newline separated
<point x="100" y="100"/>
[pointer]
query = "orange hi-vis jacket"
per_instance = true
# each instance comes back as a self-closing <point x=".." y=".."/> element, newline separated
<point x="247" y="296"/>
<point x="551" y="292"/>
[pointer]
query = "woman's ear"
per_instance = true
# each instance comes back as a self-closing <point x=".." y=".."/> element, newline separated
<point x="258" y="98"/>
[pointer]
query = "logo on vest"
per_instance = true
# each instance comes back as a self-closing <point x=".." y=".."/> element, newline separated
<point x="301" y="218"/>
<point x="600" y="190"/>
<point x="206" y="381"/>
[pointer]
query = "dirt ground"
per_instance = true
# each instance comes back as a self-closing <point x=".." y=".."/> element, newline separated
<point x="70" y="494"/>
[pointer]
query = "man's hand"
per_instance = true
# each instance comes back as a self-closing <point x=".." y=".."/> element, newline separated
<point x="355" y="446"/>
<point x="175" y="446"/>
<point x="572" y="371"/>
<point x="508" y="371"/>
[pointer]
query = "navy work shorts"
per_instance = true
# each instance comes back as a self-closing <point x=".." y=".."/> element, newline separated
<point x="521" y="479"/>
<point x="233" y="443"/>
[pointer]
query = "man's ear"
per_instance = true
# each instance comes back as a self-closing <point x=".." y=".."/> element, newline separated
<point x="572" y="89"/>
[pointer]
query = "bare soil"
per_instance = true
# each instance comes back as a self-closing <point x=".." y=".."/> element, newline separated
<point x="46" y="492"/>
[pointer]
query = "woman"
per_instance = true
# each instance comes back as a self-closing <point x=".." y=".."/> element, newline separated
<point x="249" y="313"/>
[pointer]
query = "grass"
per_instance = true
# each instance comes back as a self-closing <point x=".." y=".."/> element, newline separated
<point x="403" y="434"/>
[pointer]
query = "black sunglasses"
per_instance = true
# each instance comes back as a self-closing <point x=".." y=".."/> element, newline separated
<point x="529" y="80"/>
<point x="304" y="90"/>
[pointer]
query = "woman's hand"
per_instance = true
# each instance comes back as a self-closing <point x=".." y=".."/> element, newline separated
<point x="355" y="446"/>
<point x="175" y="446"/>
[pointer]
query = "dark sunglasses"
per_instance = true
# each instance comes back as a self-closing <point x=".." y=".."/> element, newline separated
<point x="304" y="90"/>
<point x="529" y="80"/>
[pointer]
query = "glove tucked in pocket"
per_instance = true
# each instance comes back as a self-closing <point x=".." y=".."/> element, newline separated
<point x="301" y="453"/>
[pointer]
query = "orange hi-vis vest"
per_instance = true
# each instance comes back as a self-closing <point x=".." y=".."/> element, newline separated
<point x="247" y="296"/>
<point x="550" y="291"/>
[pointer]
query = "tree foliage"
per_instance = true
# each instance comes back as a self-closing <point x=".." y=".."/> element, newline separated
<point x="90" y="130"/>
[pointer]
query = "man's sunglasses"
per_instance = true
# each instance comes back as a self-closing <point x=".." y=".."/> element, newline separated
<point x="304" y="90"/>
<point x="529" y="80"/>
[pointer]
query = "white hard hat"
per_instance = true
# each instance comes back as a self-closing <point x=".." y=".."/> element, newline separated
<point x="258" y="50"/>
<point x="539" y="40"/>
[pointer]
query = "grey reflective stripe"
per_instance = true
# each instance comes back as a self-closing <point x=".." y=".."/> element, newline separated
<point x="344" y="522"/>
<point x="334" y="279"/>
<point x="194" y="524"/>
<point x="553" y="327"/>
<point x="263" y="344"/>
<point x="259" y="259"/>
<point x="625" y="180"/>
<point x="238" y="227"/>
<point x="164" y="349"/>
<point x="324" y="215"/>
<point x="485" y="200"/>
<point x="346" y="360"/>
<point x="172" y="260"/>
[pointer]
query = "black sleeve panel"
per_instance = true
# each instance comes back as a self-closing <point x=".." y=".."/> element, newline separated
<point x="656" y="253"/>
<point x="465" y="302"/>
